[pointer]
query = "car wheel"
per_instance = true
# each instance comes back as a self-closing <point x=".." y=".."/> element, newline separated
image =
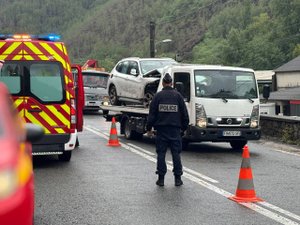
<point x="238" y="145"/>
<point x="65" y="157"/>
<point x="113" y="97"/>
<point x="147" y="99"/>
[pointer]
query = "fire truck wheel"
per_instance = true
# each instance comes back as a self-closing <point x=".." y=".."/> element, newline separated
<point x="66" y="156"/>
<point x="77" y="142"/>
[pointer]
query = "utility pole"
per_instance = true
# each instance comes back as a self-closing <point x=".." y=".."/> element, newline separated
<point x="152" y="39"/>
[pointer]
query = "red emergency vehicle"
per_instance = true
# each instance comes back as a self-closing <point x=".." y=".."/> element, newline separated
<point x="37" y="71"/>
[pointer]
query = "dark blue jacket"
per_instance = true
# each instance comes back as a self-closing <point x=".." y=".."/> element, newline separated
<point x="168" y="108"/>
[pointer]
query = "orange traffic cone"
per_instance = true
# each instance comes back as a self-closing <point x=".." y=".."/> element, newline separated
<point x="245" y="191"/>
<point x="113" y="138"/>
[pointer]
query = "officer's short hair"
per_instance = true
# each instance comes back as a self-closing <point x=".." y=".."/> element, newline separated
<point x="167" y="78"/>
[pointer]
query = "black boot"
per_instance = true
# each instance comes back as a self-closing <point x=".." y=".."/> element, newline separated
<point x="160" y="181"/>
<point x="178" y="181"/>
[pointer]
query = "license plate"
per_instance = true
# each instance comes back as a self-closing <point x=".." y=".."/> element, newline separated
<point x="231" y="133"/>
<point x="91" y="103"/>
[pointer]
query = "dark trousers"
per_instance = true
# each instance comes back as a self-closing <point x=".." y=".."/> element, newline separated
<point x="168" y="137"/>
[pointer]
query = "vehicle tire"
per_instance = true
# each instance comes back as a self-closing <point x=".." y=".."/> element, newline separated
<point x="238" y="145"/>
<point x="105" y="112"/>
<point x="131" y="134"/>
<point x="77" y="142"/>
<point x="147" y="98"/>
<point x="65" y="157"/>
<point x="113" y="97"/>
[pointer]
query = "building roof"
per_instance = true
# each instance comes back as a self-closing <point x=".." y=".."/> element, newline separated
<point x="286" y="94"/>
<point x="291" y="66"/>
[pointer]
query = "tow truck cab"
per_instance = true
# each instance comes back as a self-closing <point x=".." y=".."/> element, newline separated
<point x="222" y="101"/>
<point x="37" y="71"/>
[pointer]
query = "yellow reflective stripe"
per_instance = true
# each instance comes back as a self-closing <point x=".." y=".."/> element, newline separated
<point x="47" y="118"/>
<point x="66" y="108"/>
<point x="17" y="57"/>
<point x="43" y="57"/>
<point x="59" y="130"/>
<point x="3" y="57"/>
<point x="36" y="51"/>
<point x="18" y="102"/>
<point x="11" y="48"/>
<point x="33" y="120"/>
<point x="51" y="122"/>
<point x="58" y="115"/>
<point x="33" y="48"/>
<point x="68" y="95"/>
<point x="28" y="57"/>
<point x="59" y="46"/>
<point x="65" y="52"/>
<point x="2" y="43"/>
<point x="54" y="54"/>
<point x="21" y="113"/>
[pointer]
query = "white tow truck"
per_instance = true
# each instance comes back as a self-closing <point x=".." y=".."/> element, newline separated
<point x="222" y="101"/>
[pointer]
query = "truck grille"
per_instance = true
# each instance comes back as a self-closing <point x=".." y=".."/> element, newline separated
<point x="229" y="122"/>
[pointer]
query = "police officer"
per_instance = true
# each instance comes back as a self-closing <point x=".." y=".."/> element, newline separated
<point x="169" y="116"/>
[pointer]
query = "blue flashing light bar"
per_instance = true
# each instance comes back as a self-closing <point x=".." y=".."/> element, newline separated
<point x="44" y="37"/>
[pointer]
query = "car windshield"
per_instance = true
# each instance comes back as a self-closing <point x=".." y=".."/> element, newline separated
<point x="152" y="64"/>
<point x="96" y="80"/>
<point x="225" y="84"/>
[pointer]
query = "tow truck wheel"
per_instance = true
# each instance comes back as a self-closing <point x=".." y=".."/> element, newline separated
<point x="113" y="97"/>
<point x="131" y="134"/>
<point x="238" y="145"/>
<point x="65" y="157"/>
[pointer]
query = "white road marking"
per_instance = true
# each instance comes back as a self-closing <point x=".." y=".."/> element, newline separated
<point x="275" y="208"/>
<point x="141" y="149"/>
<point x="285" y="152"/>
<point x="193" y="172"/>
<point x="253" y="206"/>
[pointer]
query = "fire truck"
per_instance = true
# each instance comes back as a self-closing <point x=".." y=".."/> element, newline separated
<point x="38" y="74"/>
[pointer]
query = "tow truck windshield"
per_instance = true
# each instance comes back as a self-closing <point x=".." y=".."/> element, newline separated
<point x="225" y="84"/>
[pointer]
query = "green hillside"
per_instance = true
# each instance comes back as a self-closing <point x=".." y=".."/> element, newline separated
<point x="261" y="34"/>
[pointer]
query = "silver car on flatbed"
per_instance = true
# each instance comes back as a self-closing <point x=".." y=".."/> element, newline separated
<point x="135" y="80"/>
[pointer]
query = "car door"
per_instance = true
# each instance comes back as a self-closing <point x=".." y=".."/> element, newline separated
<point x="79" y="95"/>
<point x="134" y="82"/>
<point x="46" y="102"/>
<point x="119" y="78"/>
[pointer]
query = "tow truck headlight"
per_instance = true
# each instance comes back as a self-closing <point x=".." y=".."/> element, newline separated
<point x="201" y="119"/>
<point x="254" y="119"/>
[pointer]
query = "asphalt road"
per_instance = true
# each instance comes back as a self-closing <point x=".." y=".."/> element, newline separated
<point x="116" y="185"/>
